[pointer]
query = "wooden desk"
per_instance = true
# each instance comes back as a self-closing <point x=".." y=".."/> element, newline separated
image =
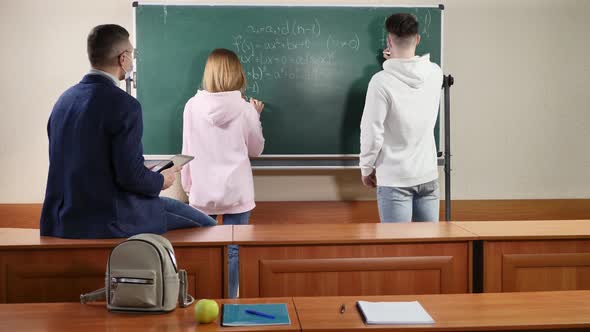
<point x="533" y="255"/>
<point x="528" y="230"/>
<point x="70" y="317"/>
<point x="548" y="311"/>
<point x="34" y="268"/>
<point x="458" y="312"/>
<point x="353" y="259"/>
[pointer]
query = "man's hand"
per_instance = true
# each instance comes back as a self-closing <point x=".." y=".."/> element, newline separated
<point x="370" y="180"/>
<point x="169" y="176"/>
<point x="387" y="54"/>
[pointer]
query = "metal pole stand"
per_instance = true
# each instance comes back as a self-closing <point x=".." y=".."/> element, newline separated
<point x="448" y="81"/>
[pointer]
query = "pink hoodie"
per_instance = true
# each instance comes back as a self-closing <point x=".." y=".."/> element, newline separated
<point x="221" y="130"/>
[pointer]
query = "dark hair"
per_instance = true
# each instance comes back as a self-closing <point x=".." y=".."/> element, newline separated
<point x="104" y="42"/>
<point x="402" y="25"/>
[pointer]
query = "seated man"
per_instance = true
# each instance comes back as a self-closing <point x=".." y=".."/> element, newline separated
<point x="98" y="186"/>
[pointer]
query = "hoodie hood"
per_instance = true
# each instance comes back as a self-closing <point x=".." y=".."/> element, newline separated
<point x="412" y="72"/>
<point x="220" y="107"/>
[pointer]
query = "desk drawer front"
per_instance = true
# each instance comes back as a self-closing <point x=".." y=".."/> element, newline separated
<point x="551" y="265"/>
<point x="354" y="270"/>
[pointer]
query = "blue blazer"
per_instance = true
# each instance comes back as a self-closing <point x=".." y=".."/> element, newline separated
<point x="98" y="186"/>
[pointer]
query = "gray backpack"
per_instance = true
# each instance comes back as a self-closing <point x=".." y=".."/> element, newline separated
<point x="142" y="276"/>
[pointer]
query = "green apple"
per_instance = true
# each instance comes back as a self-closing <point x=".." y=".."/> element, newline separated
<point x="206" y="311"/>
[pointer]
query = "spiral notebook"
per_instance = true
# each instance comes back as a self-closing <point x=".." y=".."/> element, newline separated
<point x="394" y="313"/>
<point x="236" y="315"/>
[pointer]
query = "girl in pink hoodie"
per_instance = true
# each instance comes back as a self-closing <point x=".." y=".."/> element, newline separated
<point x="222" y="130"/>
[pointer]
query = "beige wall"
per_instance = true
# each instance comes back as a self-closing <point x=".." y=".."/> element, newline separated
<point x="520" y="121"/>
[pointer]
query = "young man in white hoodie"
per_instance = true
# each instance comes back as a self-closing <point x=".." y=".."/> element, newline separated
<point x="398" y="150"/>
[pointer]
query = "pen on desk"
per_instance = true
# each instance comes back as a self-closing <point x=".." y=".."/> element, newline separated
<point x="258" y="313"/>
<point x="342" y="308"/>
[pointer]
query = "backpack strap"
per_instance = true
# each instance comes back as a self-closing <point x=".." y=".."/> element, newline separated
<point x="184" y="299"/>
<point x="97" y="295"/>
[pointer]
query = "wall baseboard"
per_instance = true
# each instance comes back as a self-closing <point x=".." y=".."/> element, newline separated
<point x="333" y="212"/>
<point x="20" y="215"/>
<point x="461" y="210"/>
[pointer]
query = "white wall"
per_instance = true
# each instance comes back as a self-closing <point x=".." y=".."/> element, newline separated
<point x="520" y="121"/>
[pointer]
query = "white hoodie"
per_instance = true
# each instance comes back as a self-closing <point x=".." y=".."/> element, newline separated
<point x="397" y="127"/>
<point x="222" y="131"/>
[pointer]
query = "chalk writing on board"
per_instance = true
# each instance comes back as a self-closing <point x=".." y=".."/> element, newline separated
<point x="260" y="73"/>
<point x="290" y="50"/>
<point x="426" y="25"/>
<point x="287" y="28"/>
<point x="304" y="59"/>
<point x="254" y="87"/>
<point x="353" y="43"/>
<point x="247" y="46"/>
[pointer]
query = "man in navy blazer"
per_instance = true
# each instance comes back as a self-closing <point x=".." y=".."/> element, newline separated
<point x="98" y="186"/>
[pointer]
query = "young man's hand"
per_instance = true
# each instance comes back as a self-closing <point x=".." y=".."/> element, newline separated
<point x="169" y="176"/>
<point x="387" y="54"/>
<point x="370" y="180"/>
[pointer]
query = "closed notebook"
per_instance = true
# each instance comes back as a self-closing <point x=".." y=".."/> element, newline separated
<point x="236" y="315"/>
<point x="394" y="313"/>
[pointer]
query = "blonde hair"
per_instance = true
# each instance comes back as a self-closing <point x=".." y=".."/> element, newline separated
<point x="223" y="72"/>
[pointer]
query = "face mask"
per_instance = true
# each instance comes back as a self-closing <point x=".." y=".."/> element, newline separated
<point x="129" y="73"/>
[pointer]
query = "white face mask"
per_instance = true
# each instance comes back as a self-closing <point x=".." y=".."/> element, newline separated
<point x="129" y="73"/>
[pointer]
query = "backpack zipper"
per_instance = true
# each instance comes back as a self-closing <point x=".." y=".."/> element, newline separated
<point x="125" y="280"/>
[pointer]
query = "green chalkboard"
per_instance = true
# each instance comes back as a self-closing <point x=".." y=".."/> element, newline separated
<point x="309" y="64"/>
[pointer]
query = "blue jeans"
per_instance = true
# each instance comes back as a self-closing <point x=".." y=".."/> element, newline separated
<point x="181" y="215"/>
<point x="233" y="252"/>
<point x="417" y="203"/>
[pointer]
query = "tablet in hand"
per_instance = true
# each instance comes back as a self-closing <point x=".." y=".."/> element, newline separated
<point x="161" y="164"/>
